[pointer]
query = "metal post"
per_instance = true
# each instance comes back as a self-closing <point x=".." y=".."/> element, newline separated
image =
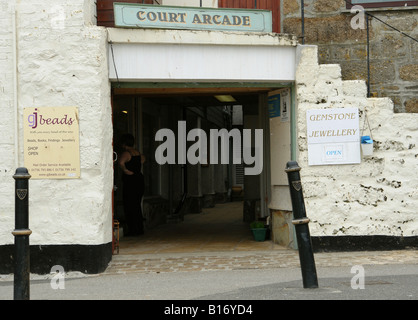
<point x="368" y="56"/>
<point x="302" y="6"/>
<point x="21" y="234"/>
<point x="300" y="221"/>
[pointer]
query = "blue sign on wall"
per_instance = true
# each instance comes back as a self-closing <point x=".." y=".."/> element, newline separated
<point x="131" y="15"/>
<point x="274" y="105"/>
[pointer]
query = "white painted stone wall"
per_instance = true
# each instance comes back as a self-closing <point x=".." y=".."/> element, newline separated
<point x="378" y="196"/>
<point x="61" y="61"/>
<point x="7" y="120"/>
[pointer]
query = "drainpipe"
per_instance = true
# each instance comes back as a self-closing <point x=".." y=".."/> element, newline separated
<point x="15" y="85"/>
<point x="302" y="5"/>
<point x="368" y="56"/>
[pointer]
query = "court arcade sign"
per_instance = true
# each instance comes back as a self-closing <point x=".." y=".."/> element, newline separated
<point x="131" y="15"/>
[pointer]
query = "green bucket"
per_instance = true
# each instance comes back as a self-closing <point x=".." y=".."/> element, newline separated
<point x="259" y="234"/>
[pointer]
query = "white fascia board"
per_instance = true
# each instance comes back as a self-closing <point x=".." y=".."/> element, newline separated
<point x="162" y="36"/>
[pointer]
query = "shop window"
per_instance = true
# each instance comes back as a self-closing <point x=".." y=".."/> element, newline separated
<point x="381" y="3"/>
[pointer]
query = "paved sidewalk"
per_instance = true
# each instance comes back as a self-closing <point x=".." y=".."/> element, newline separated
<point x="228" y="261"/>
<point x="217" y="239"/>
<point x="213" y="256"/>
<point x="184" y="262"/>
<point x="223" y="276"/>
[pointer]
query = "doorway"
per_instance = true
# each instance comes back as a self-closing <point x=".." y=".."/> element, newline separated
<point x="176" y="190"/>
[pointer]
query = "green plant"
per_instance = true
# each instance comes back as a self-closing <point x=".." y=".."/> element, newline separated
<point x="257" y="225"/>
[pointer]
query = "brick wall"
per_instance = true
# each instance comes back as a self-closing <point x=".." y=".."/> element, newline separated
<point x="105" y="16"/>
<point x="272" y="5"/>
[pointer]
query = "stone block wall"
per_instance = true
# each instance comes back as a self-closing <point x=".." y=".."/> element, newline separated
<point x="376" y="197"/>
<point x="393" y="57"/>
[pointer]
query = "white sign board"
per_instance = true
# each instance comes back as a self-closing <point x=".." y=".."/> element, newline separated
<point x="285" y="105"/>
<point x="333" y="136"/>
<point x="51" y="142"/>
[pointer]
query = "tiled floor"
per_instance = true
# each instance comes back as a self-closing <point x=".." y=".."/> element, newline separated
<point x="215" y="229"/>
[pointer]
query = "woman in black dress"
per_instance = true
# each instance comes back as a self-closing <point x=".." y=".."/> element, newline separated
<point x="130" y="161"/>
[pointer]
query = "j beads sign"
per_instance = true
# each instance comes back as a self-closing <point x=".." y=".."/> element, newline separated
<point x="149" y="16"/>
<point x="51" y="142"/>
<point x="333" y="136"/>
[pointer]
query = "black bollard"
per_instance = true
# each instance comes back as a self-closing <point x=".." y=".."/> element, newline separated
<point x="21" y="234"/>
<point x="300" y="221"/>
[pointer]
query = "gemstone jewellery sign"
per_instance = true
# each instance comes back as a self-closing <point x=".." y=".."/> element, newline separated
<point x="130" y="15"/>
<point x="333" y="136"/>
<point x="51" y="142"/>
